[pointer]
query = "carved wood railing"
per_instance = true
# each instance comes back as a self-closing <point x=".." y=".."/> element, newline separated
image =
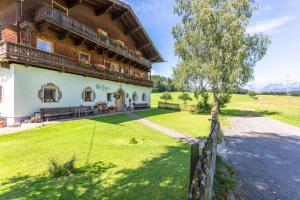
<point x="19" y="53"/>
<point x="54" y="16"/>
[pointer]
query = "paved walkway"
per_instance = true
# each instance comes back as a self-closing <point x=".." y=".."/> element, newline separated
<point x="266" y="153"/>
<point x="165" y="130"/>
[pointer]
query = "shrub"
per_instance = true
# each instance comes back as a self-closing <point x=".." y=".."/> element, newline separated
<point x="185" y="97"/>
<point x="58" y="170"/>
<point x="252" y="94"/>
<point x="203" y="106"/>
<point x="223" y="100"/>
<point x="166" y="96"/>
<point x="133" y="141"/>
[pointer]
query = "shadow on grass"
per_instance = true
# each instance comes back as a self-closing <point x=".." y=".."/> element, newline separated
<point x="246" y="113"/>
<point x="122" y="118"/>
<point x="163" y="177"/>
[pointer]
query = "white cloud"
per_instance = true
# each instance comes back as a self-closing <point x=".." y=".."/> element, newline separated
<point x="268" y="26"/>
<point x="145" y="6"/>
<point x="153" y="72"/>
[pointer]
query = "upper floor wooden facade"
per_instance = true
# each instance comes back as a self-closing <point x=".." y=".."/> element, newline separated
<point x="88" y="37"/>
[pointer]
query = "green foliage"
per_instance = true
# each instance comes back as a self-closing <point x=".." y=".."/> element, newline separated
<point x="185" y="97"/>
<point x="57" y="170"/>
<point x="253" y="95"/>
<point x="203" y="106"/>
<point x="223" y="100"/>
<point x="133" y="141"/>
<point x="166" y="97"/>
<point x="162" y="84"/>
<point x="214" y="48"/>
<point x="225" y="179"/>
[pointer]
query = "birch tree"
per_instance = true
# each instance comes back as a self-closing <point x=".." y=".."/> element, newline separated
<point x="214" y="49"/>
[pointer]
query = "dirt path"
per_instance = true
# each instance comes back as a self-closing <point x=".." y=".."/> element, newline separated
<point x="165" y="130"/>
<point x="266" y="153"/>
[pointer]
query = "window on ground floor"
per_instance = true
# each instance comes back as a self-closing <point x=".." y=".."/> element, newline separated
<point x="134" y="96"/>
<point x="50" y="93"/>
<point x="144" y="97"/>
<point x="88" y="95"/>
<point x="109" y="97"/>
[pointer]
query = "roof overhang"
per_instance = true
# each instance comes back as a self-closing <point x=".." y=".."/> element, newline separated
<point x="123" y="12"/>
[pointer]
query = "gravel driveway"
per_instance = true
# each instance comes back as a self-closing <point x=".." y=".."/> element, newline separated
<point x="266" y="153"/>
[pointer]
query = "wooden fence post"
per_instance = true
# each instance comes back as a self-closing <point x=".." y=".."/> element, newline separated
<point x="195" y="155"/>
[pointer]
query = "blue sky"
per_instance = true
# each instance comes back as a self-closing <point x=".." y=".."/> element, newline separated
<point x="279" y="18"/>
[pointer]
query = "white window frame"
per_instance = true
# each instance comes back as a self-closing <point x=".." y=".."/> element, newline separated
<point x="86" y="54"/>
<point x="55" y="4"/>
<point x="136" y="95"/>
<point x="111" y="97"/>
<point x="144" y="97"/>
<point x="55" y="96"/>
<point x="45" y="41"/>
<point x="91" y="97"/>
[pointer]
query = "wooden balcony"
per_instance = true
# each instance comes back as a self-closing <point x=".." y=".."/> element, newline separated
<point x="56" y="17"/>
<point x="17" y="53"/>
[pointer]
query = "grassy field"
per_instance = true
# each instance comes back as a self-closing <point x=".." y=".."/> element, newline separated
<point x="191" y="124"/>
<point x="282" y="108"/>
<point x="108" y="166"/>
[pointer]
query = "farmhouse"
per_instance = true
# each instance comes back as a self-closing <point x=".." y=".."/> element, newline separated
<point x="72" y="53"/>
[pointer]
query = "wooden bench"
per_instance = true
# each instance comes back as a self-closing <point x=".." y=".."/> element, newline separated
<point x="139" y="106"/>
<point x="56" y="113"/>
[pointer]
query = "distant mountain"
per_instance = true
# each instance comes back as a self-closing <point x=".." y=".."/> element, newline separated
<point x="280" y="87"/>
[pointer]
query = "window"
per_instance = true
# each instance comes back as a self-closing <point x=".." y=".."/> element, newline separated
<point x="84" y="57"/>
<point x="60" y="7"/>
<point x="44" y="45"/>
<point x="107" y="66"/>
<point x="1" y="94"/>
<point x="113" y="67"/>
<point x="144" y="97"/>
<point x="134" y="97"/>
<point x="109" y="97"/>
<point x="88" y="95"/>
<point x="50" y="93"/>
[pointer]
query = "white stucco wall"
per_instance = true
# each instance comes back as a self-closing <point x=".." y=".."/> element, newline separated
<point x="7" y="83"/>
<point x="27" y="81"/>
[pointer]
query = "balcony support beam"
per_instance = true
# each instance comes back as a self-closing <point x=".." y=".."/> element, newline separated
<point x="119" y="15"/>
<point x="101" y="10"/>
<point x="144" y="46"/>
<point x="132" y="30"/>
<point x="73" y="3"/>
<point x="62" y="35"/>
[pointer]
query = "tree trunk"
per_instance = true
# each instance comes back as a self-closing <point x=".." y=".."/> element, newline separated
<point x="216" y="99"/>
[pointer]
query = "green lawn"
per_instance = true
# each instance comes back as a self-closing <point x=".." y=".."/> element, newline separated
<point x="282" y="108"/>
<point x="108" y="166"/>
<point x="191" y="124"/>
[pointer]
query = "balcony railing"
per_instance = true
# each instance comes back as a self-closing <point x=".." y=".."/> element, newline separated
<point x="31" y="56"/>
<point x="54" y="16"/>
